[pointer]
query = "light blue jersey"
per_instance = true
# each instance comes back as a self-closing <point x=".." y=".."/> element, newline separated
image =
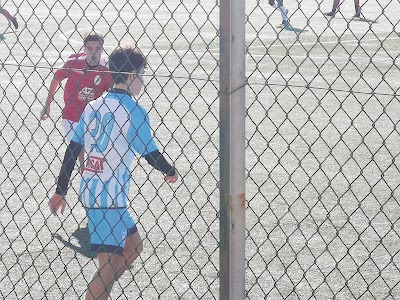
<point x="111" y="129"/>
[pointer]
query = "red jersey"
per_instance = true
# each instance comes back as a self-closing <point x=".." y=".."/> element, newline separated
<point x="84" y="84"/>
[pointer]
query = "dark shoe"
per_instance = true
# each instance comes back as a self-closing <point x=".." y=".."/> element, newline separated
<point x="330" y="14"/>
<point x="15" y="23"/>
<point x="357" y="14"/>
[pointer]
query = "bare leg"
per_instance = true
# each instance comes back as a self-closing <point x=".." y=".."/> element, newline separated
<point x="132" y="250"/>
<point x="103" y="279"/>
<point x="111" y="267"/>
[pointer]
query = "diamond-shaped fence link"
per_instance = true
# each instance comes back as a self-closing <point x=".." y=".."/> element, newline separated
<point x="322" y="151"/>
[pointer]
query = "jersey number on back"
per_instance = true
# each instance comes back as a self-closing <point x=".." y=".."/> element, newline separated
<point x="102" y="131"/>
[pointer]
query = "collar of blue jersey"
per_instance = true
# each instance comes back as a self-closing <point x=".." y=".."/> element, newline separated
<point x="120" y="91"/>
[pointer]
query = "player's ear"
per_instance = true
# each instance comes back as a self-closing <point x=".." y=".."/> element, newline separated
<point x="132" y="76"/>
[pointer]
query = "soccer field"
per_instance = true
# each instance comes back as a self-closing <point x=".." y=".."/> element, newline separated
<point x="322" y="151"/>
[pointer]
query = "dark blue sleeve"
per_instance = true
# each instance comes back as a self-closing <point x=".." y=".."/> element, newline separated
<point x="157" y="160"/>
<point x="70" y="156"/>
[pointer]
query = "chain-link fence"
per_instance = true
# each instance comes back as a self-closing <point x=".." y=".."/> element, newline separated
<point x="322" y="151"/>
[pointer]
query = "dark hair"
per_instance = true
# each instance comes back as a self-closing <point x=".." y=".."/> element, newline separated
<point x="93" y="37"/>
<point x="124" y="60"/>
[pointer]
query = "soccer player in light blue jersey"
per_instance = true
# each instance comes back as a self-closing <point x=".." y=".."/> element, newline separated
<point x="112" y="130"/>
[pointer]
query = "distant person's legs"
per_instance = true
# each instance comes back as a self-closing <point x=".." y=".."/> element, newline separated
<point x="357" y="8"/>
<point x="335" y="7"/>
<point x="9" y="17"/>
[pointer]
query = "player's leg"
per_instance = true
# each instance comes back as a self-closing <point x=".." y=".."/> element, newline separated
<point x="107" y="233"/>
<point x="357" y="8"/>
<point x="103" y="279"/>
<point x="284" y="13"/>
<point x="335" y="7"/>
<point x="6" y="13"/>
<point x="112" y="266"/>
<point x="9" y="17"/>
<point x="132" y="250"/>
<point x="116" y="251"/>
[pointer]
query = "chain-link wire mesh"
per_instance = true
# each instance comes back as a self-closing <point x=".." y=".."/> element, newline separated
<point x="323" y="146"/>
<point x="323" y="152"/>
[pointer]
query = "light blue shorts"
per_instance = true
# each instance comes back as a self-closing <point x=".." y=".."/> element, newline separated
<point x="109" y="228"/>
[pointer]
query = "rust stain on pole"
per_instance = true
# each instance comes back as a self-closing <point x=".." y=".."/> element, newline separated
<point x="242" y="200"/>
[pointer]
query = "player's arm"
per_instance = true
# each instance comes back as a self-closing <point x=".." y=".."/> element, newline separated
<point x="70" y="156"/>
<point x="59" y="75"/>
<point x="158" y="161"/>
<point x="45" y="113"/>
<point x="143" y="143"/>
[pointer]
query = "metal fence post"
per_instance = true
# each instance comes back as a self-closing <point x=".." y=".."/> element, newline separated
<point x="232" y="149"/>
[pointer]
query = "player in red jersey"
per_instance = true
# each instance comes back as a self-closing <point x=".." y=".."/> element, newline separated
<point x="9" y="17"/>
<point x="87" y="78"/>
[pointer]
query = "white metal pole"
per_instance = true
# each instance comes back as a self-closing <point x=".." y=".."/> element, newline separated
<point x="232" y="149"/>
